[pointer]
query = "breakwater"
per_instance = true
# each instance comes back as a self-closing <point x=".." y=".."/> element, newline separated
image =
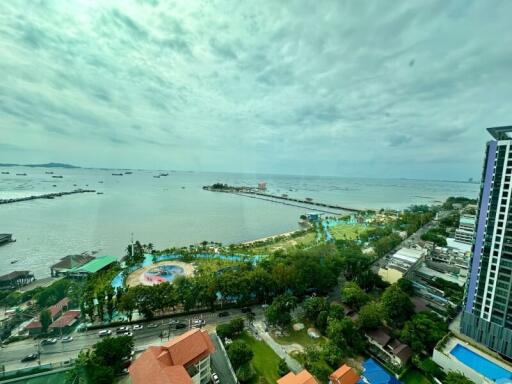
<point x="283" y="199"/>
<point x="46" y="196"/>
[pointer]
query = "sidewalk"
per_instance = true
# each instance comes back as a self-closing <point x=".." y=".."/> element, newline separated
<point x="277" y="348"/>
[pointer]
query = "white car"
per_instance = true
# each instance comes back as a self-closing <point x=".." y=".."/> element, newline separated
<point x="104" y="332"/>
<point x="137" y="327"/>
<point x="67" y="339"/>
<point x="198" y="323"/>
<point x="127" y="334"/>
<point x="215" y="378"/>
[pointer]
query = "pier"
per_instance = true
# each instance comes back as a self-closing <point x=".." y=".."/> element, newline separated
<point x="46" y="196"/>
<point x="258" y="194"/>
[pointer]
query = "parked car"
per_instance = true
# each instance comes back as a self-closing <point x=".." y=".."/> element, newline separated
<point x="67" y="339"/>
<point x="153" y="325"/>
<point x="48" y="341"/>
<point x="104" y="332"/>
<point x="198" y="323"/>
<point x="138" y="327"/>
<point x="180" y="325"/>
<point x="223" y="314"/>
<point x="127" y="334"/>
<point x="31" y="357"/>
<point x="122" y="329"/>
<point x="215" y="378"/>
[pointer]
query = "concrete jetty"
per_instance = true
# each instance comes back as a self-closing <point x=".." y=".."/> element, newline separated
<point x="46" y="196"/>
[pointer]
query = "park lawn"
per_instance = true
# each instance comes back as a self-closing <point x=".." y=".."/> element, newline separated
<point x="299" y="337"/>
<point x="347" y="231"/>
<point x="413" y="376"/>
<point x="306" y="240"/>
<point x="213" y="265"/>
<point x="265" y="361"/>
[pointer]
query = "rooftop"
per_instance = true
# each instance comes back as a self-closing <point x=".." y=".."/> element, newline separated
<point x="303" y="377"/>
<point x="14" y="275"/>
<point x="66" y="319"/>
<point x="56" y="308"/>
<point x="94" y="265"/>
<point x="168" y="363"/>
<point x="344" y="375"/>
<point x="72" y="261"/>
<point x="500" y="133"/>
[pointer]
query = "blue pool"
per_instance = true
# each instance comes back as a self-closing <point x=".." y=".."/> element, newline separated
<point x="480" y="364"/>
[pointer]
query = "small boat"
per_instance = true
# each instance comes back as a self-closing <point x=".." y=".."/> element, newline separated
<point x="49" y="172"/>
<point x="156" y="176"/>
<point x="14" y="261"/>
<point x="54" y="185"/>
<point x="74" y="185"/>
<point x="182" y="187"/>
<point x="57" y="176"/>
<point x="101" y="182"/>
<point x="21" y="174"/>
<point x="164" y="174"/>
<point x="99" y="193"/>
<point x="128" y="173"/>
<point x="5" y="173"/>
<point x="117" y="174"/>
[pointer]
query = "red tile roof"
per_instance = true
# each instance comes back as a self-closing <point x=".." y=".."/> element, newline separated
<point x="167" y="363"/>
<point x="34" y="324"/>
<point x="303" y="377"/>
<point x="344" y="375"/>
<point x="66" y="319"/>
<point x="56" y="308"/>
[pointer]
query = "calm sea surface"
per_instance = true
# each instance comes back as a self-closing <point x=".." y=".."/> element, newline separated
<point x="172" y="210"/>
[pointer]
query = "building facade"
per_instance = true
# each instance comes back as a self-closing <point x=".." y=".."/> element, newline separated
<point x="487" y="312"/>
<point x="466" y="231"/>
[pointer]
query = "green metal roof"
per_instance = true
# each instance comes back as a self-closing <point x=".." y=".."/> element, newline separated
<point x="95" y="265"/>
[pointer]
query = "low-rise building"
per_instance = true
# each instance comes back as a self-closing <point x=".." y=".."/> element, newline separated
<point x="303" y="377"/>
<point x="401" y="263"/>
<point x="388" y="349"/>
<point x="344" y="375"/>
<point x="466" y="231"/>
<point x="35" y="327"/>
<point x="97" y="264"/>
<point x="183" y="360"/>
<point x="66" y="322"/>
<point x="69" y="262"/>
<point x="16" y="279"/>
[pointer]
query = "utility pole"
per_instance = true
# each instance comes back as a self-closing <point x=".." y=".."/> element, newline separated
<point x="131" y="239"/>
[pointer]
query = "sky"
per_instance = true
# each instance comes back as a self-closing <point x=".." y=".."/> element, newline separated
<point x="343" y="88"/>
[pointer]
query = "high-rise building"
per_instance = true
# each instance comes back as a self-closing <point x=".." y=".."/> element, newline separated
<point x="487" y="312"/>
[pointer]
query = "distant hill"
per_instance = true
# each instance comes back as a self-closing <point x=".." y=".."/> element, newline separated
<point x="46" y="165"/>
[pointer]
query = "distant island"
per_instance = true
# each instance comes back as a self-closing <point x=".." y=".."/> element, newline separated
<point x="46" y="165"/>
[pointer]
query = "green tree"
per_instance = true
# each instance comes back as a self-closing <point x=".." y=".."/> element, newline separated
<point x="456" y="378"/>
<point x="332" y="353"/>
<point x="111" y="352"/>
<point x="396" y="305"/>
<point x="224" y="331"/>
<point x="370" y="316"/>
<point x="245" y="372"/>
<point x="353" y="296"/>
<point x="279" y="312"/>
<point x="237" y="325"/>
<point x="345" y="334"/>
<point x="312" y="306"/>
<point x="45" y="318"/>
<point x="239" y="353"/>
<point x="128" y="303"/>
<point x="282" y="368"/>
<point x="423" y="331"/>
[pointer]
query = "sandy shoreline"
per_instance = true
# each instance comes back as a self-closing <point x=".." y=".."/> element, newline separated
<point x="273" y="236"/>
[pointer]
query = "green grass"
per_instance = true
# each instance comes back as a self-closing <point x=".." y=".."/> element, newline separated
<point x="347" y="231"/>
<point x="413" y="376"/>
<point x="299" y="337"/>
<point x="303" y="241"/>
<point x="265" y="361"/>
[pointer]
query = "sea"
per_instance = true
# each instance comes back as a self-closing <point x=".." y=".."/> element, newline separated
<point x="173" y="210"/>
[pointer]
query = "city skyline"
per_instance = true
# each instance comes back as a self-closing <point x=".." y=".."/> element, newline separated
<point x="339" y="90"/>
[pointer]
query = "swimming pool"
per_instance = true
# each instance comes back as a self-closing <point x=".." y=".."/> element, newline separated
<point x="163" y="273"/>
<point x="480" y="364"/>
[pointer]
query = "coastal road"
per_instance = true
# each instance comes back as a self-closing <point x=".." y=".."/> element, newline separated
<point x="11" y="354"/>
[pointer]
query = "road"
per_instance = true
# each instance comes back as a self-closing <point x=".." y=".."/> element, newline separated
<point x="11" y="354"/>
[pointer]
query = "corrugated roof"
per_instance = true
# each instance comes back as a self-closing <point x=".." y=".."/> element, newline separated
<point x="66" y="319"/>
<point x="95" y="265"/>
<point x="56" y="308"/>
<point x="72" y="261"/>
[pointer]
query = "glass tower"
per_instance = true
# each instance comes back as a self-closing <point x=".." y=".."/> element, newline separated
<point x="487" y="312"/>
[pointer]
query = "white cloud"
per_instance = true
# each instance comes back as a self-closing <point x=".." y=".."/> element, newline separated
<point x="335" y="88"/>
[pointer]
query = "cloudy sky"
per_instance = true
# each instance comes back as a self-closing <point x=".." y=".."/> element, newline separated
<point x="348" y="88"/>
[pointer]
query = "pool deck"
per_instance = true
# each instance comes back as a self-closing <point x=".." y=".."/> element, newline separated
<point x="137" y="277"/>
<point x="449" y="362"/>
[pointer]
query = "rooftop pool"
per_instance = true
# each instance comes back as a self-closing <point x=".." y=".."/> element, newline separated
<point x="480" y="364"/>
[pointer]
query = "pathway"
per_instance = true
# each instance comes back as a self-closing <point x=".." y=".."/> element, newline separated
<point x="276" y="347"/>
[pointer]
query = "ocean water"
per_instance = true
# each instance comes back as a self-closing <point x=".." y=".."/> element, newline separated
<point x="172" y="210"/>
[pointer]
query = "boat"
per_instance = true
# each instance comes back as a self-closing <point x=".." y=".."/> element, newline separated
<point x="6" y="238"/>
<point x="101" y="182"/>
<point x="99" y="193"/>
<point x="164" y="174"/>
<point x="21" y="174"/>
<point x="182" y="187"/>
<point x="14" y="261"/>
<point x="57" y="176"/>
<point x="74" y="185"/>
<point x="54" y="185"/>
<point x="49" y="172"/>
<point x="128" y="173"/>
<point x="5" y="173"/>
<point x="117" y="174"/>
<point x="156" y="176"/>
